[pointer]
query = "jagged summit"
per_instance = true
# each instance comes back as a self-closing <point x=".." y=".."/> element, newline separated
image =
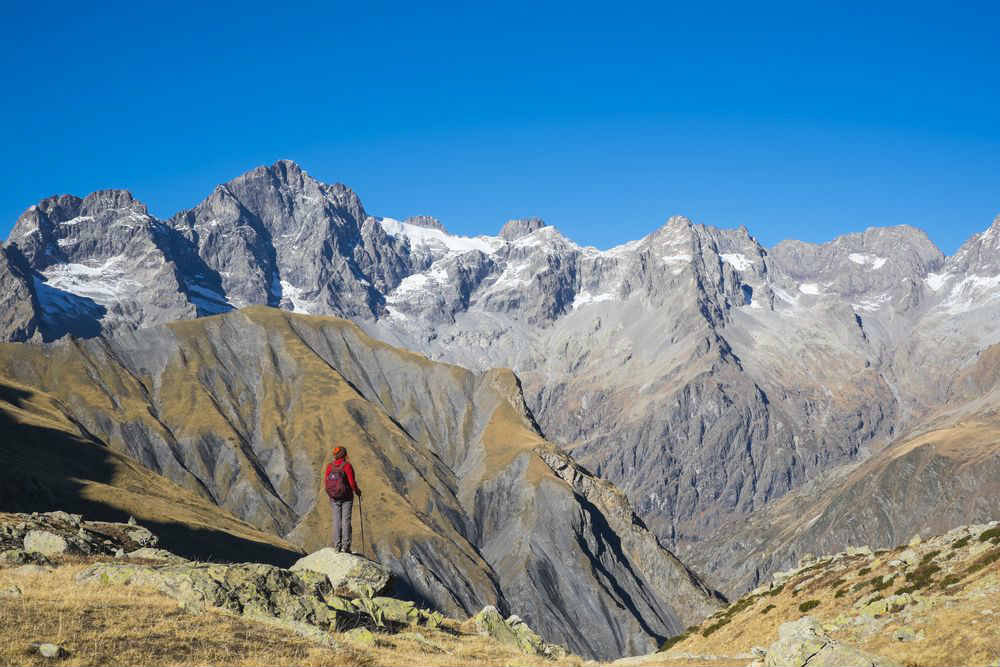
<point x="426" y="221"/>
<point x="515" y="229"/>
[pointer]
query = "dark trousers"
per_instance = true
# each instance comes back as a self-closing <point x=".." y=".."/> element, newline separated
<point x="341" y="538"/>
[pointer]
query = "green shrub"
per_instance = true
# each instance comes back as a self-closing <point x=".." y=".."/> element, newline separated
<point x="950" y="580"/>
<point x="712" y="628"/>
<point x="881" y="583"/>
<point x="986" y="559"/>
<point x="958" y="544"/>
<point x="776" y="590"/>
<point x="676" y="639"/>
<point x="767" y="609"/>
<point x="929" y="556"/>
<point x="858" y="586"/>
<point x="920" y="577"/>
<point x="987" y="535"/>
<point x="808" y="604"/>
<point x="836" y="583"/>
<point x="841" y="593"/>
<point x="863" y="571"/>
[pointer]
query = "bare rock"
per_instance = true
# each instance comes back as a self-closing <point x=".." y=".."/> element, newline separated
<point x="804" y="642"/>
<point x="349" y="574"/>
<point x="45" y="543"/>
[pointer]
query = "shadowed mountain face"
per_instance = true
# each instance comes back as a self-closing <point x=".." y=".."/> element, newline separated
<point x="463" y="499"/>
<point x="704" y="374"/>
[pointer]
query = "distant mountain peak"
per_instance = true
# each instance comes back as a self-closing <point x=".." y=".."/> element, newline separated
<point x="426" y="221"/>
<point x="515" y="229"/>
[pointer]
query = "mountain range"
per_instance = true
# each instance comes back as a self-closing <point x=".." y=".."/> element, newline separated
<point x="754" y="404"/>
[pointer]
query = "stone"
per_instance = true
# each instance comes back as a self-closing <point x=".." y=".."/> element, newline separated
<point x="65" y="517"/>
<point x="887" y="605"/>
<point x="45" y="543"/>
<point x="489" y="622"/>
<point x="361" y="636"/>
<point x="399" y="611"/>
<point x="803" y="642"/>
<point x="909" y="556"/>
<point x="12" y="591"/>
<point x="142" y="537"/>
<point x="51" y="650"/>
<point x="151" y="553"/>
<point x="907" y="634"/>
<point x="915" y="541"/>
<point x="349" y="574"/>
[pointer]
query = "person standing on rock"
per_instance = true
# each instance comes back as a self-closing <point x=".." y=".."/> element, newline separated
<point x="341" y="486"/>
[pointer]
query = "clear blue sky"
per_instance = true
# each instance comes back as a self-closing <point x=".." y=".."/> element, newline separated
<point x="800" y="120"/>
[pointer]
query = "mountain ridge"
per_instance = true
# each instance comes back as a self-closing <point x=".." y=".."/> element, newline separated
<point x="703" y="373"/>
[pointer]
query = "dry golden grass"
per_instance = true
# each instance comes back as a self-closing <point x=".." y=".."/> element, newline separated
<point x="959" y="626"/>
<point x="120" y="625"/>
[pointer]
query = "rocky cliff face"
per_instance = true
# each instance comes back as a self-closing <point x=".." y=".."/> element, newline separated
<point x="704" y="374"/>
<point x="463" y="499"/>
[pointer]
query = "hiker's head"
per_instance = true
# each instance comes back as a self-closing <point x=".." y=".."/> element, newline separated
<point x="339" y="453"/>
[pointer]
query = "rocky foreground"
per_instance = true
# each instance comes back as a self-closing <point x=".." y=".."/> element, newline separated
<point x="335" y="607"/>
<point x="933" y="601"/>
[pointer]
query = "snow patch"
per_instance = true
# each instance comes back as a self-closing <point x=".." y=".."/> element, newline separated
<point x="863" y="259"/>
<point x="294" y="295"/>
<point x="105" y="283"/>
<point x="937" y="280"/>
<point x="583" y="298"/>
<point x="672" y="259"/>
<point x="809" y="288"/>
<point x="739" y="261"/>
<point x="435" y="238"/>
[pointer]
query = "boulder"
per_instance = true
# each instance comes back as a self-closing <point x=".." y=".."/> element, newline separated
<point x="50" y="650"/>
<point x="804" y="642"/>
<point x="150" y="553"/>
<point x="361" y="636"/>
<point x="398" y="611"/>
<point x="515" y="633"/>
<point x="45" y="543"/>
<point x="349" y="574"/>
<point x="489" y="622"/>
<point x="12" y="591"/>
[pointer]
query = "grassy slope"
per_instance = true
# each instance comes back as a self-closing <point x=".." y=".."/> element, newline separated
<point x="953" y="585"/>
<point x="46" y="464"/>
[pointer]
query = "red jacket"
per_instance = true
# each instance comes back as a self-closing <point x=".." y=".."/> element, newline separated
<point x="348" y="470"/>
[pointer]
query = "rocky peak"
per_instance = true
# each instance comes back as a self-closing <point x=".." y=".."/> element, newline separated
<point x="426" y="221"/>
<point x="110" y="200"/>
<point x="515" y="229"/>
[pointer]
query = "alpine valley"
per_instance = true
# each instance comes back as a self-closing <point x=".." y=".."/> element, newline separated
<point x="596" y="440"/>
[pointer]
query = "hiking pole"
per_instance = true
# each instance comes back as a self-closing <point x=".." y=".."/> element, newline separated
<point x="361" y="515"/>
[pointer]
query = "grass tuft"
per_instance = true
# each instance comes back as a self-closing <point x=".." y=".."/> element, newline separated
<point x="808" y="604"/>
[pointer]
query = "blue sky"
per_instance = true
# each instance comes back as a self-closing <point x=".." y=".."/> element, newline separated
<point x="799" y="120"/>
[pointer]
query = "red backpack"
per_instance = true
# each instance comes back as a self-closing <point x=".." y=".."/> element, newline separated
<point x="336" y="483"/>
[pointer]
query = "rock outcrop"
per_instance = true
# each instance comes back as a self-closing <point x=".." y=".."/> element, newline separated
<point x="349" y="574"/>
<point x="803" y="642"/>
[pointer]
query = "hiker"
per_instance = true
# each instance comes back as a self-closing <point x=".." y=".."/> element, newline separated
<point x="341" y="487"/>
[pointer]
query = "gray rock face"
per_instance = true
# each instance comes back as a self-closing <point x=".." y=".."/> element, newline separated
<point x="705" y="375"/>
